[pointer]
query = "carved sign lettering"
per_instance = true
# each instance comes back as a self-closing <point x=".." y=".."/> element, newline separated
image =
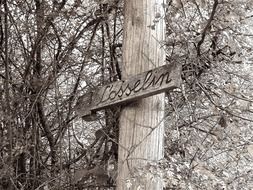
<point x="166" y="77"/>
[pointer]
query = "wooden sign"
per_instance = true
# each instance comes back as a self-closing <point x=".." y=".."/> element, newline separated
<point x="166" y="77"/>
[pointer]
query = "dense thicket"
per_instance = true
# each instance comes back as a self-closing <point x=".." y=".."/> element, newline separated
<point x="53" y="51"/>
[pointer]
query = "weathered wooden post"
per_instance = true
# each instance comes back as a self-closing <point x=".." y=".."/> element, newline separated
<point x="141" y="123"/>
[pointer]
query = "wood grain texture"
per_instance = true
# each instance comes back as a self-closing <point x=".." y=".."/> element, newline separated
<point x="141" y="124"/>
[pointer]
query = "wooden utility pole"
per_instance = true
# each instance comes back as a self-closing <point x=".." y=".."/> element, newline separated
<point x="141" y="122"/>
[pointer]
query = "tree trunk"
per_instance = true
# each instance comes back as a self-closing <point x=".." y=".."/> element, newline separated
<point x="8" y="116"/>
<point x="141" y="122"/>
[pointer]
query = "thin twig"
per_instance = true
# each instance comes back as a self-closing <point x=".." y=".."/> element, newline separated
<point x="208" y="24"/>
